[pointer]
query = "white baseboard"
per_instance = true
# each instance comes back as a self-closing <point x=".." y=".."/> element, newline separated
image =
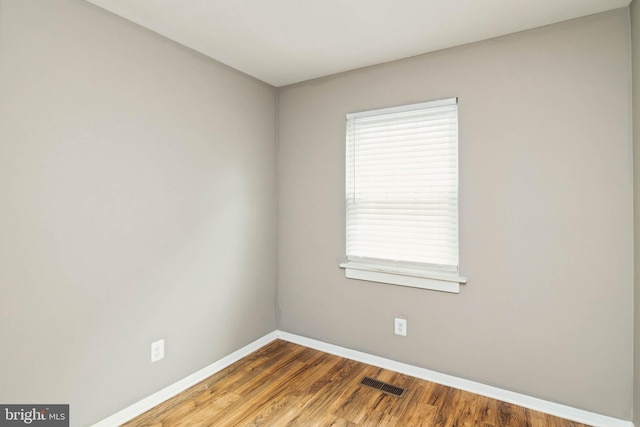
<point x="563" y="411"/>
<point x="556" y="409"/>
<point x="166" y="393"/>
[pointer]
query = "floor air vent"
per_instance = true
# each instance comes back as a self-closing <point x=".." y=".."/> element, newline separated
<point x="383" y="387"/>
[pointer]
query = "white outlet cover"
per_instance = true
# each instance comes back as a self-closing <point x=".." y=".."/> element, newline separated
<point x="157" y="350"/>
<point x="400" y="326"/>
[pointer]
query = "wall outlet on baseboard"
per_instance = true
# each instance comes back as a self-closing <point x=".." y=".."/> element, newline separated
<point x="157" y="350"/>
<point x="400" y="326"/>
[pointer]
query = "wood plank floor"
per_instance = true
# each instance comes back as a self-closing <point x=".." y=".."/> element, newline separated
<point x="284" y="384"/>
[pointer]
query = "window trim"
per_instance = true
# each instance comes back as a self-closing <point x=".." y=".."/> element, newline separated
<point x="422" y="280"/>
<point x="402" y="108"/>
<point x="396" y="274"/>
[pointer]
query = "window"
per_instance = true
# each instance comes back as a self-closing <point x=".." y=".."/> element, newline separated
<point x="402" y="195"/>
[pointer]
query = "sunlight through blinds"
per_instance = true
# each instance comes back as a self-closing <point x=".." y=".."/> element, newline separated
<point x="402" y="186"/>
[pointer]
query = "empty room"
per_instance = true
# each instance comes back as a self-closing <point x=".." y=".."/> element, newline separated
<point x="347" y="213"/>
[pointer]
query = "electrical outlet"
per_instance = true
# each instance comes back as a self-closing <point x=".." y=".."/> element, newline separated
<point x="400" y="326"/>
<point x="157" y="350"/>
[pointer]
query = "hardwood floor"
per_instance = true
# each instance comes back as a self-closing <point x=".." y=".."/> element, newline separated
<point x="285" y="384"/>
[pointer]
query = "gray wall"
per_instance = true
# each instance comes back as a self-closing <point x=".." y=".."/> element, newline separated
<point x="635" y="43"/>
<point x="138" y="202"/>
<point x="546" y="215"/>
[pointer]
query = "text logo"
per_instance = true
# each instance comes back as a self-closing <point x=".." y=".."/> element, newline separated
<point x="34" y="415"/>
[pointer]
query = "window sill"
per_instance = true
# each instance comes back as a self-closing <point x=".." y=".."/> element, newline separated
<point x="411" y="278"/>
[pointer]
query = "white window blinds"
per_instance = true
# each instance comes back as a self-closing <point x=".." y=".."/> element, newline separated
<point x="402" y="187"/>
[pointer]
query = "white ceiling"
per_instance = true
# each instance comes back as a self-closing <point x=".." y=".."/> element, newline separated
<point x="288" y="41"/>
